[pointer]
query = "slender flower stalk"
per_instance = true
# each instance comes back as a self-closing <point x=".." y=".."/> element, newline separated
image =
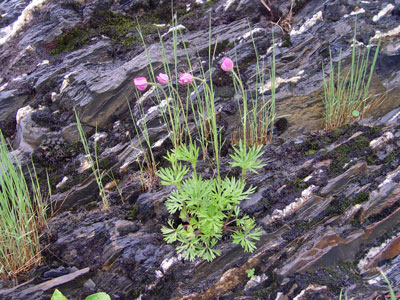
<point x="163" y="79"/>
<point x="227" y="66"/>
<point x="213" y="120"/>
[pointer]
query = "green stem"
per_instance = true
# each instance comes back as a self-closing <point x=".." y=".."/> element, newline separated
<point x="184" y="115"/>
<point x="214" y="122"/>
<point x="169" y="111"/>
<point x="244" y="118"/>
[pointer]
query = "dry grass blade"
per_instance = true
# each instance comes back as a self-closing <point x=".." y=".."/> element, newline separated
<point x="22" y="215"/>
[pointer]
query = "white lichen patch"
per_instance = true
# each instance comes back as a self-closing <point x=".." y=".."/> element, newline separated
<point x="311" y="287"/>
<point x="228" y="4"/>
<point x="393" y="32"/>
<point x="355" y="12"/>
<point x="168" y="263"/>
<point x="100" y="137"/>
<point x="179" y="27"/>
<point x="256" y="280"/>
<point x="363" y="264"/>
<point x="43" y="63"/>
<point x="62" y="182"/>
<point x="308" y="24"/>
<point x="278" y="81"/>
<point x="383" y="12"/>
<point x="306" y="196"/>
<point x="251" y="33"/>
<point x="381" y="141"/>
<point x="84" y="163"/>
<point x="26" y="16"/>
<point x="2" y="88"/>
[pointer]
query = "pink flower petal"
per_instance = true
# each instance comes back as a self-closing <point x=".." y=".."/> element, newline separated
<point x="140" y="83"/>
<point x="185" y="78"/>
<point x="227" y="64"/>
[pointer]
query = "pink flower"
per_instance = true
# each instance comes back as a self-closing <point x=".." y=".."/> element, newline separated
<point x="140" y="83"/>
<point x="227" y="64"/>
<point x="162" y="78"/>
<point x="185" y="78"/>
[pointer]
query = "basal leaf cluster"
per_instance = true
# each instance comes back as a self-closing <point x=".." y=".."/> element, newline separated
<point x="206" y="208"/>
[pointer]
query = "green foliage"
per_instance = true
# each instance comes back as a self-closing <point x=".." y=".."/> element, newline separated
<point x="206" y="208"/>
<point x="57" y="295"/>
<point x="250" y="273"/>
<point x="345" y="98"/>
<point x="22" y="215"/>
<point x="98" y="296"/>
<point x="247" y="159"/>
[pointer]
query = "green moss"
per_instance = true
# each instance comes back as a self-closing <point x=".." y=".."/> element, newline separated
<point x="371" y="159"/>
<point x="391" y="157"/>
<point x="299" y="184"/>
<point x="71" y="40"/>
<point x="338" y="132"/>
<point x="122" y="30"/>
<point x="345" y="152"/>
<point x="375" y="130"/>
<point x="287" y="42"/>
<point x="309" y="152"/>
<point x="105" y="164"/>
<point x="313" y="145"/>
<point x="339" y="205"/>
<point x="208" y="4"/>
<point x="92" y="205"/>
<point x="361" y="198"/>
<point x="327" y="141"/>
<point x="132" y="214"/>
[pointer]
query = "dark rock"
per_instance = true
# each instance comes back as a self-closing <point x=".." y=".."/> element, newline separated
<point x="55" y="273"/>
<point x="334" y="12"/>
<point x="10" y="102"/>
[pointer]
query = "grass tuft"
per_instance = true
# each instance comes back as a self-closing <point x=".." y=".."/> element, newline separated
<point x="22" y="215"/>
<point x="345" y="97"/>
<point x="94" y="164"/>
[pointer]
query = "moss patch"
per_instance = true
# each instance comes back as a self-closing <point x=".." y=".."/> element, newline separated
<point x="358" y="147"/>
<point x="70" y="40"/>
<point x="340" y="204"/>
<point x="122" y="30"/>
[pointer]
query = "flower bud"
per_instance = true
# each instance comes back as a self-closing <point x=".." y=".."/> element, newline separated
<point x="185" y="78"/>
<point x="227" y="64"/>
<point x="162" y="78"/>
<point x="140" y="83"/>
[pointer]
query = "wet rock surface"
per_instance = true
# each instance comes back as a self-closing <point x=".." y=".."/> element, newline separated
<point x="328" y="202"/>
